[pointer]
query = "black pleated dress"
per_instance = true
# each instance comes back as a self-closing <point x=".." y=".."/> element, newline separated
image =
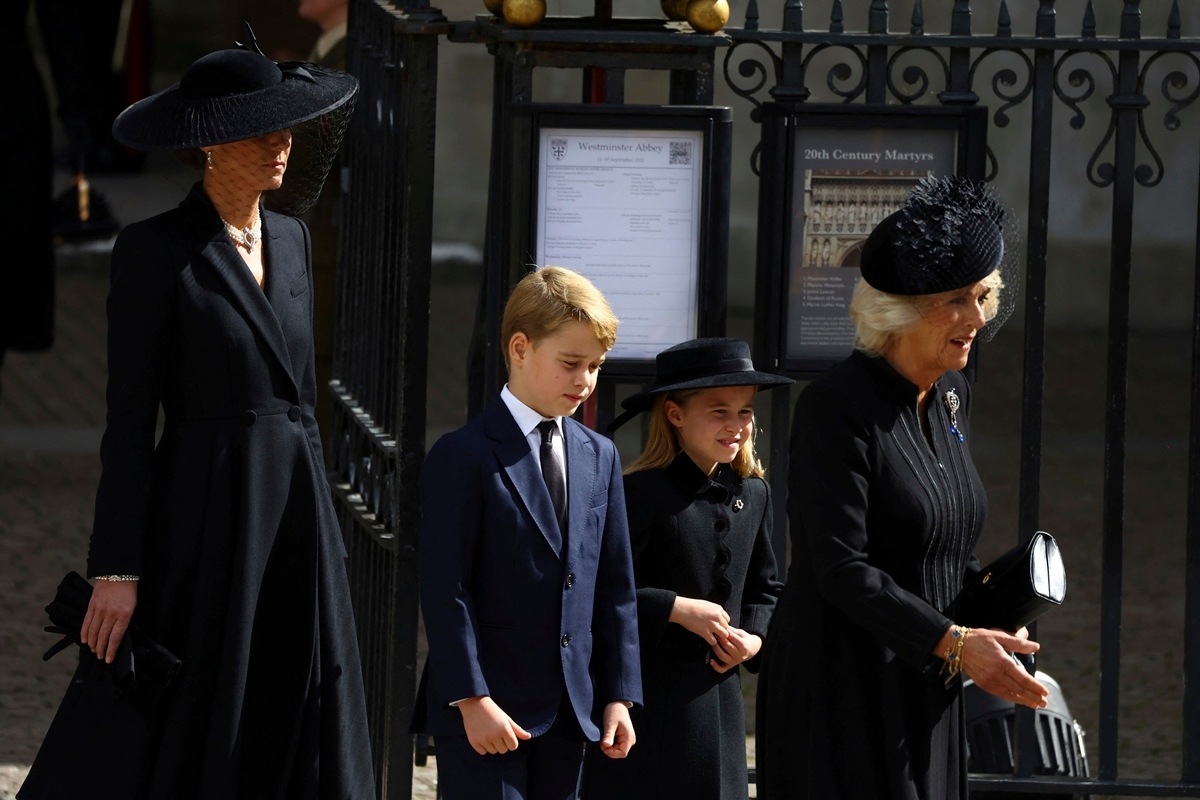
<point x="884" y="518"/>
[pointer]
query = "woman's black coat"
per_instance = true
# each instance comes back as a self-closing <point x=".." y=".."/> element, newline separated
<point x="884" y="519"/>
<point x="229" y="523"/>
<point x="706" y="539"/>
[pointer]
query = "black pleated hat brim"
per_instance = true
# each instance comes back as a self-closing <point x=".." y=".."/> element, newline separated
<point x="173" y="121"/>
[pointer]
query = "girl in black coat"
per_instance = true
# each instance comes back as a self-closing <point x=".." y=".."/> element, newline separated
<point x="700" y="527"/>
<point x="219" y="541"/>
<point x="860" y="694"/>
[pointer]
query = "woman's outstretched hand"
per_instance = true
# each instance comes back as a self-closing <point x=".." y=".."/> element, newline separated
<point x="108" y="616"/>
<point x="987" y="660"/>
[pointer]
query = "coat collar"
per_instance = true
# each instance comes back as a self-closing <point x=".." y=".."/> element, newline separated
<point x="258" y="305"/>
<point x="691" y="480"/>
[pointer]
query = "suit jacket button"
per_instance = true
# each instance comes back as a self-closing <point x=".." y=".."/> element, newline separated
<point x="566" y="640"/>
<point x="570" y="579"/>
<point x="294" y="413"/>
<point x="248" y="418"/>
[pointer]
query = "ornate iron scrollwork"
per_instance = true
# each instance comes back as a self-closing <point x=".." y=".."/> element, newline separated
<point x="914" y="75"/>
<point x="750" y="68"/>
<point x="1097" y="174"/>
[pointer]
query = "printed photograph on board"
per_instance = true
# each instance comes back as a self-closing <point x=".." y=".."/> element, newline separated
<point x="845" y="182"/>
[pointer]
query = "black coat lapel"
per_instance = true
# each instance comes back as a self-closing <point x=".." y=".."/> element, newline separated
<point x="219" y="251"/>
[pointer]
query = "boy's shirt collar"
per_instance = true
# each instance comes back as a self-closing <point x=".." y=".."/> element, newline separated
<point x="526" y="418"/>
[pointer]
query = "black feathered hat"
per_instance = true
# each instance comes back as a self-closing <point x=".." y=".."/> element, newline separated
<point x="950" y="233"/>
<point x="699" y="364"/>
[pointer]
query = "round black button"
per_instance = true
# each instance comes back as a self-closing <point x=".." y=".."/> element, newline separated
<point x="294" y="413"/>
<point x="249" y="417"/>
<point x="721" y="524"/>
<point x="566" y="639"/>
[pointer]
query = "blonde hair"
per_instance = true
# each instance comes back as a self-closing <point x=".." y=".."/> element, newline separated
<point x="662" y="441"/>
<point x="880" y="317"/>
<point x="546" y="299"/>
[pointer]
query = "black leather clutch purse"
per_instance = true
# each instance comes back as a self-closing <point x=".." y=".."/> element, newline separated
<point x="140" y="663"/>
<point x="1016" y="588"/>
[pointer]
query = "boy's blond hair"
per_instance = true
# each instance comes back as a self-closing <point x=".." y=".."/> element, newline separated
<point x="662" y="441"/>
<point x="546" y="299"/>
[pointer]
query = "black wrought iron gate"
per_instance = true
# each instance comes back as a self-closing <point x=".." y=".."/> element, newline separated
<point x="384" y="279"/>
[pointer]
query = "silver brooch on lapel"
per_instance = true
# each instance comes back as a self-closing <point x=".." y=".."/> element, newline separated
<point x="738" y="504"/>
<point x="950" y="398"/>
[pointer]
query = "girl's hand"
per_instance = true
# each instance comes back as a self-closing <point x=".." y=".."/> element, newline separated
<point x="107" y="617"/>
<point x="707" y="620"/>
<point x="735" y="648"/>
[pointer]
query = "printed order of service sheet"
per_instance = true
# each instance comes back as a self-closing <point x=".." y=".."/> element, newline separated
<point x="623" y="208"/>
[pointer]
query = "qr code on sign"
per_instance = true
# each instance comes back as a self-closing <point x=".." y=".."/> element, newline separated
<point x="681" y="153"/>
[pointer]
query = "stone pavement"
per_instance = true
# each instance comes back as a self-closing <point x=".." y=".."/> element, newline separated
<point x="52" y="415"/>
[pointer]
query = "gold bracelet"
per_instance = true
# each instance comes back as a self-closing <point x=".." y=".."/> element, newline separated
<point x="116" y="577"/>
<point x="954" y="653"/>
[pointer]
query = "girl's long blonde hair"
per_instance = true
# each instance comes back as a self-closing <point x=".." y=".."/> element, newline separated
<point x="662" y="442"/>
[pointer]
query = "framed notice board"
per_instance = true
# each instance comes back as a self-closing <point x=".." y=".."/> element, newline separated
<point x="829" y="175"/>
<point x="637" y="199"/>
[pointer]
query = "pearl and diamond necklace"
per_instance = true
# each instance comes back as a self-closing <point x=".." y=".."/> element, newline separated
<point x="245" y="237"/>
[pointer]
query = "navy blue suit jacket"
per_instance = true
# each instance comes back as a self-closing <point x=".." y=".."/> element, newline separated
<point x="508" y="612"/>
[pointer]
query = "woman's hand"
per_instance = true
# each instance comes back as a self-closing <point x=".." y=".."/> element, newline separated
<point x="707" y="620"/>
<point x="987" y="660"/>
<point x="735" y="648"/>
<point x="108" y="616"/>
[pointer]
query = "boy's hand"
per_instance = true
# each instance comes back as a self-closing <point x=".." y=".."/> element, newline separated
<point x="489" y="729"/>
<point x="707" y="620"/>
<point x="617" y="737"/>
<point x="735" y="648"/>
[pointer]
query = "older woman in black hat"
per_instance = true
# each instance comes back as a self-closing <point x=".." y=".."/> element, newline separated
<point x="700" y="528"/>
<point x="219" y="541"/>
<point x="860" y="693"/>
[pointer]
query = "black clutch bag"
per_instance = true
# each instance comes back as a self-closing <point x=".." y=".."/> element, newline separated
<point x="1016" y="588"/>
<point x="140" y="663"/>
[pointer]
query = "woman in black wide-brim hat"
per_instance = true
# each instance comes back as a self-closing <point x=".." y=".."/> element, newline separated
<point x="860" y="694"/>
<point x="220" y="541"/>
<point x="700" y="528"/>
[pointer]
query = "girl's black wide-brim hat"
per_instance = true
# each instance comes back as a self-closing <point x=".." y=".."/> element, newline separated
<point x="231" y="95"/>
<point x="702" y="364"/>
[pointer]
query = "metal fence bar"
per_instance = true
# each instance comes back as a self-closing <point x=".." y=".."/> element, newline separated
<point x="1034" y="364"/>
<point x="1126" y="102"/>
<point x="1191" y="632"/>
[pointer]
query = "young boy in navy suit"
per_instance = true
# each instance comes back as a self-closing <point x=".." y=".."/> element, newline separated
<point x="525" y="568"/>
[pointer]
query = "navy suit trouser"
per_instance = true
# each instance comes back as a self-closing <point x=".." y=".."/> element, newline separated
<point x="546" y="767"/>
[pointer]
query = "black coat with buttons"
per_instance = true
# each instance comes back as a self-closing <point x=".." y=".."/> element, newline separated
<point x="699" y="538"/>
<point x="227" y="520"/>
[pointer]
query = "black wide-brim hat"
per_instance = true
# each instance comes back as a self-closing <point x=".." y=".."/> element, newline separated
<point x="702" y="364"/>
<point x="230" y="95"/>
